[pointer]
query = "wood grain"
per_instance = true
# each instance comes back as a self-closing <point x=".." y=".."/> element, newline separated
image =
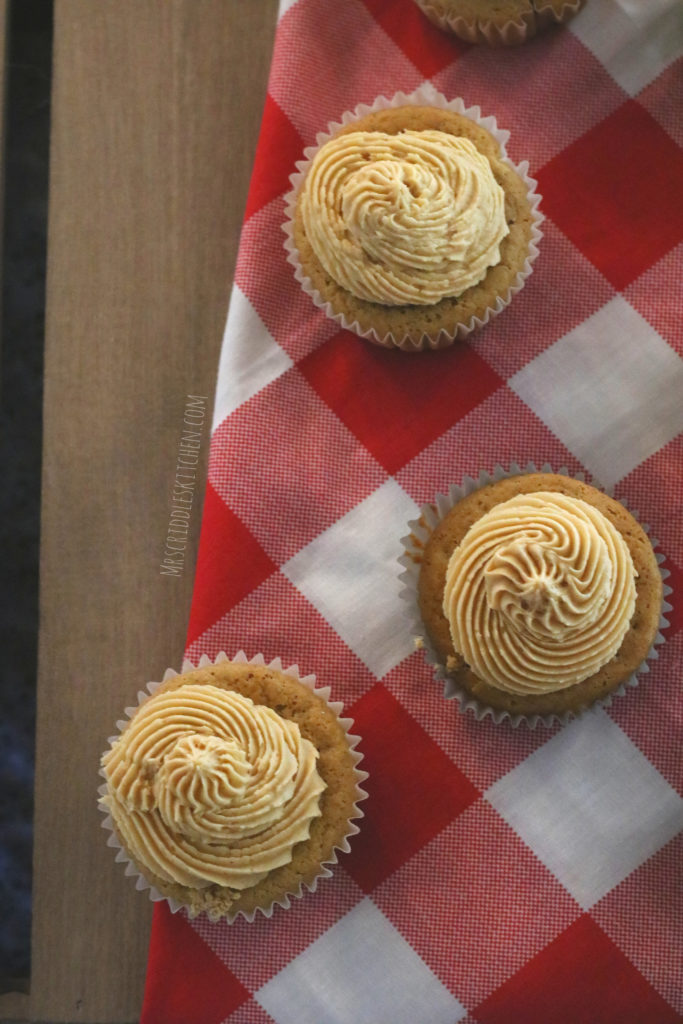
<point x="155" y="114"/>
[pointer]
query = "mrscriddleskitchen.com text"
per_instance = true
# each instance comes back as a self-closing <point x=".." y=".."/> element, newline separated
<point x="184" y="486"/>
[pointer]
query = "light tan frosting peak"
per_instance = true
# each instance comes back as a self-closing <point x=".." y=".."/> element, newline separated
<point x="205" y="786"/>
<point x="540" y="593"/>
<point x="403" y="219"/>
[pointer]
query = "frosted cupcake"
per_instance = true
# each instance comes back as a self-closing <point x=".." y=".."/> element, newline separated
<point x="498" y="22"/>
<point x="540" y="595"/>
<point x="231" y="787"/>
<point x="411" y="227"/>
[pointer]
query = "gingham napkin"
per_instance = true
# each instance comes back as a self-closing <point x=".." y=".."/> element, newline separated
<point x="501" y="876"/>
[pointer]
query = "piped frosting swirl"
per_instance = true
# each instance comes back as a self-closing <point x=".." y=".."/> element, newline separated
<point x="403" y="219"/>
<point x="205" y="786"/>
<point x="540" y="593"/>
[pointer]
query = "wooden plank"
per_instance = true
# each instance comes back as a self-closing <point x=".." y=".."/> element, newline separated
<point x="155" y="114"/>
<point x="14" y="1006"/>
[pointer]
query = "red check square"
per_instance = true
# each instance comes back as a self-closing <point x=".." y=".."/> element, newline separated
<point x="249" y="1013"/>
<point x="288" y="467"/>
<point x="277" y="621"/>
<point x="482" y="750"/>
<point x="430" y="49"/>
<point x="546" y="93"/>
<point x="642" y="490"/>
<point x="499" y="431"/>
<point x="279" y="147"/>
<point x="256" y="950"/>
<point x="662" y="99"/>
<point x="545" y="309"/>
<point x="230" y="564"/>
<point x="486" y="904"/>
<point x="646" y="292"/>
<point x="414" y="789"/>
<point x="580" y="977"/>
<point x="268" y="281"/>
<point x="317" y="45"/>
<point x="644" y="915"/>
<point x="175" y="941"/>
<point x="675" y="616"/>
<point x="652" y="714"/>
<point x="396" y="404"/>
<point x="614" y="192"/>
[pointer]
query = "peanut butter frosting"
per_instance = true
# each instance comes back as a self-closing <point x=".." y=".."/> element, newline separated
<point x="205" y="786"/>
<point x="403" y="219"/>
<point x="540" y="593"/>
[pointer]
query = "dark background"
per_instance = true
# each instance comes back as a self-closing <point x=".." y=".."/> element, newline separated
<point x="22" y="326"/>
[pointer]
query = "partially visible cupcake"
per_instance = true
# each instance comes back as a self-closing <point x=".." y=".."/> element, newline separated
<point x="498" y="22"/>
<point x="540" y="595"/>
<point x="410" y="226"/>
<point x="232" y="786"/>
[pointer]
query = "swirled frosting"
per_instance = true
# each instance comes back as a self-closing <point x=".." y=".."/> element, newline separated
<point x="403" y="219"/>
<point x="205" y="786"/>
<point x="540" y="593"/>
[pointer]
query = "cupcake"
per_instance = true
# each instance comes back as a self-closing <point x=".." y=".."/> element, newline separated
<point x="506" y="23"/>
<point x="231" y="787"/>
<point x="539" y="594"/>
<point x="409" y="225"/>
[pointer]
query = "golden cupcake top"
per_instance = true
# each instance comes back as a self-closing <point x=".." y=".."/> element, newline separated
<point x="403" y="219"/>
<point x="540" y="593"/>
<point x="205" y="786"/>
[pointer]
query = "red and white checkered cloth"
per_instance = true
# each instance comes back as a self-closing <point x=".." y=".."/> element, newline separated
<point x="501" y="876"/>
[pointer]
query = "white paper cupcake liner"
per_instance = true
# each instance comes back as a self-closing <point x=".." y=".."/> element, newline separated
<point x="508" y="33"/>
<point x="427" y="96"/>
<point x="413" y="544"/>
<point x="142" y="884"/>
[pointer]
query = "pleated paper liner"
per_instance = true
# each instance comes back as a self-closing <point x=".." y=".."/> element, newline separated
<point x="507" y="28"/>
<point x="419" y="532"/>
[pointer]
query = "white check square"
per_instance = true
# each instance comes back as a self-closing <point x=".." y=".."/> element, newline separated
<point x="283" y="7"/>
<point x="250" y="357"/>
<point x="610" y="390"/>
<point x="590" y="806"/>
<point x="635" y="40"/>
<point x="350" y="573"/>
<point x="361" y="971"/>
